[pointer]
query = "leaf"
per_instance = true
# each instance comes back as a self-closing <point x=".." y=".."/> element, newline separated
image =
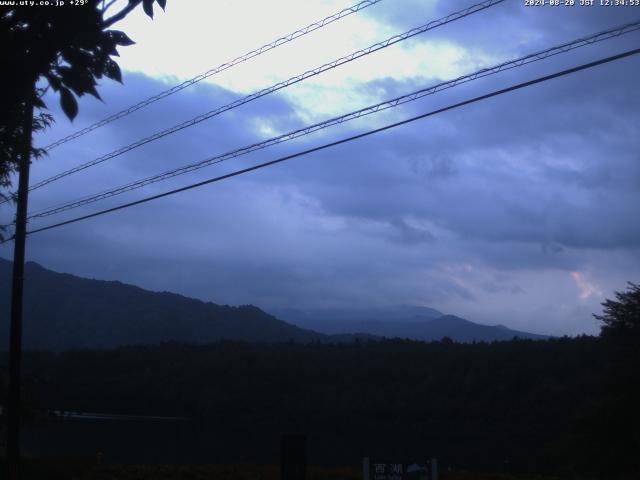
<point x="92" y="91"/>
<point x="79" y="80"/>
<point x="53" y="81"/>
<point x="78" y="58"/>
<point x="108" y="44"/>
<point x="162" y="3"/>
<point x="147" y="5"/>
<point x="120" y="38"/>
<point x="38" y="103"/>
<point x="68" y="103"/>
<point x="112" y="71"/>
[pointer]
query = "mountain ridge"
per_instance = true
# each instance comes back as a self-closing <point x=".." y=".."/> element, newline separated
<point x="64" y="311"/>
<point x="390" y="322"/>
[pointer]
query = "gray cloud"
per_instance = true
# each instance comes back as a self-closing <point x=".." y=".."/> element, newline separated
<point x="483" y="211"/>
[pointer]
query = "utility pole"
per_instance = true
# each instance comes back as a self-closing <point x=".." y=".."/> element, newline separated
<point x="15" y="339"/>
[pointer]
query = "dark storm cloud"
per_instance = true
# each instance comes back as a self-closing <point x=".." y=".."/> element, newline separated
<point x="554" y="164"/>
<point x="384" y="180"/>
<point x="506" y="27"/>
<point x="469" y="207"/>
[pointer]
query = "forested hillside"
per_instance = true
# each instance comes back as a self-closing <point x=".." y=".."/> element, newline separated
<point x="63" y="311"/>
<point x="538" y="406"/>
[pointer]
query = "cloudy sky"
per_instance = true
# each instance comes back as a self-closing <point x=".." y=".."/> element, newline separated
<point x="519" y="210"/>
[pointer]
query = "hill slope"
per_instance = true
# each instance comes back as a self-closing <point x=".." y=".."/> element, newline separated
<point x="62" y="311"/>
<point x="417" y="323"/>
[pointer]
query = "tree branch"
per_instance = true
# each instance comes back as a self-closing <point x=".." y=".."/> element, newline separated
<point x="107" y="6"/>
<point x="120" y="15"/>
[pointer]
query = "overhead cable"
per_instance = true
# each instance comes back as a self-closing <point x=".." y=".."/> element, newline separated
<point x="225" y="66"/>
<point x="278" y="86"/>
<point x="344" y="140"/>
<point x="518" y="62"/>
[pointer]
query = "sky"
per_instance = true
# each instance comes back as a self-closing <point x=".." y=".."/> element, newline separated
<point x="518" y="210"/>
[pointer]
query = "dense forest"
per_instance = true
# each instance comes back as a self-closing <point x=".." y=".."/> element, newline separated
<point x="558" y="406"/>
<point x="563" y="407"/>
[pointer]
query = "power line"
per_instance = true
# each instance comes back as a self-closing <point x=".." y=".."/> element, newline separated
<point x="348" y="139"/>
<point x="293" y="80"/>
<point x="534" y="57"/>
<point x="278" y="86"/>
<point x="242" y="58"/>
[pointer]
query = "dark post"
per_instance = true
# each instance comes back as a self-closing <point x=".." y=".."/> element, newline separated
<point x="365" y="468"/>
<point x="15" y="339"/>
<point x="294" y="457"/>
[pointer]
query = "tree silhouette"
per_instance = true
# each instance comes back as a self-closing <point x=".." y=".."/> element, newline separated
<point x="621" y="317"/>
<point x="67" y="49"/>
<point x="620" y="334"/>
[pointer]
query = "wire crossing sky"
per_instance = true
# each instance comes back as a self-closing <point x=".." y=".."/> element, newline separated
<point x="513" y="211"/>
<point x="349" y="139"/>
<point x="525" y="60"/>
<point x="242" y="58"/>
<point x="460" y="14"/>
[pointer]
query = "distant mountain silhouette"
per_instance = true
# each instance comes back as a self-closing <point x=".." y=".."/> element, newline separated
<point x="405" y="321"/>
<point x="62" y="311"/>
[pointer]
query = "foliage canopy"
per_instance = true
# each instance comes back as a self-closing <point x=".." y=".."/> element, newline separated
<point x="622" y="316"/>
<point x="66" y="48"/>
